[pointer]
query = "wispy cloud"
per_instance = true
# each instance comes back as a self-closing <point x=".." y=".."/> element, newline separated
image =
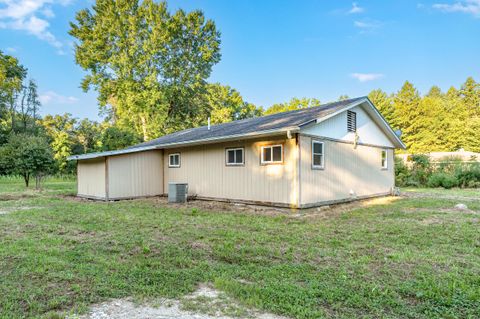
<point x="31" y="16"/>
<point x="366" y="77"/>
<point x="50" y="97"/>
<point x="367" y="26"/>
<point x="469" y="6"/>
<point x="11" y="50"/>
<point x="356" y="9"/>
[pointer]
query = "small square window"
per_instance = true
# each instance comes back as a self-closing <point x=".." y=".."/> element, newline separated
<point x="317" y="154"/>
<point x="174" y="160"/>
<point x="272" y="154"/>
<point x="384" y="159"/>
<point x="234" y="156"/>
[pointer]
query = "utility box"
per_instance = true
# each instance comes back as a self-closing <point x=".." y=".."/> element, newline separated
<point x="177" y="192"/>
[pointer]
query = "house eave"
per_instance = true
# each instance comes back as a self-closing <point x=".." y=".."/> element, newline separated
<point x="212" y="140"/>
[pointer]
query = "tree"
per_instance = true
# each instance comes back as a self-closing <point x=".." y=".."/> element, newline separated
<point x="149" y="66"/>
<point x="114" y="138"/>
<point x="226" y="105"/>
<point x="406" y="111"/>
<point x="343" y="97"/>
<point x="293" y="104"/>
<point x="60" y="132"/>
<point x="89" y="134"/>
<point x="384" y="103"/>
<point x="27" y="156"/>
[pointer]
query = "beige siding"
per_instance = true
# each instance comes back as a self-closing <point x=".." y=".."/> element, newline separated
<point x="204" y="169"/>
<point x="91" y="178"/>
<point x="345" y="169"/>
<point x="135" y="175"/>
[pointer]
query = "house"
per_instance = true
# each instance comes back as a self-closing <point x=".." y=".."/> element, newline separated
<point x="327" y="154"/>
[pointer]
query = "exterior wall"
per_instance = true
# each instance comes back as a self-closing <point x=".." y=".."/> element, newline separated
<point x="345" y="169"/>
<point x="91" y="178"/>
<point x="135" y="175"/>
<point x="336" y="127"/>
<point x="204" y="169"/>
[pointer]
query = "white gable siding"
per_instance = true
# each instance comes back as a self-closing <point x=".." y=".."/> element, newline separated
<point x="336" y="128"/>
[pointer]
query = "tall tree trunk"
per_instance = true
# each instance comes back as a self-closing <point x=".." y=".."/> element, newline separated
<point x="26" y="177"/>
<point x="144" y="127"/>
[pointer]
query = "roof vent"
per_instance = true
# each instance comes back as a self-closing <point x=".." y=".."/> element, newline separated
<point x="398" y="133"/>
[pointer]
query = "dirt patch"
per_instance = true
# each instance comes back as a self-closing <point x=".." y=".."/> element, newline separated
<point x="9" y="197"/>
<point x="204" y="303"/>
<point x="6" y="211"/>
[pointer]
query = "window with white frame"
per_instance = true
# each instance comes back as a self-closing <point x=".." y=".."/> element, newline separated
<point x="351" y="121"/>
<point x="384" y="159"/>
<point x="272" y="154"/>
<point x="174" y="160"/>
<point x="318" y="155"/>
<point x="234" y="156"/>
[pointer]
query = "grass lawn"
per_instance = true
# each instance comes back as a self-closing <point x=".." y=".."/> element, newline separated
<point x="408" y="258"/>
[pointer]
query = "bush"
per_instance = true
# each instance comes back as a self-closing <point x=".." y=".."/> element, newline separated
<point x="442" y="180"/>
<point x="469" y="175"/>
<point x="402" y="173"/>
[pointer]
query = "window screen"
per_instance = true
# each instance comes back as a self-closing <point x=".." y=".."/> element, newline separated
<point x="174" y="160"/>
<point x="272" y="154"/>
<point x="317" y="154"/>
<point x="234" y="156"/>
<point x="351" y="121"/>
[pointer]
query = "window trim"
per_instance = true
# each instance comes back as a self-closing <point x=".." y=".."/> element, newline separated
<point x="272" y="162"/>
<point x="234" y="149"/>
<point x="322" y="166"/>
<point x="354" y="121"/>
<point x="179" y="160"/>
<point x="384" y="167"/>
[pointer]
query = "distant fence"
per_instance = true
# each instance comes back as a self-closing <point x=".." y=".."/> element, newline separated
<point x="446" y="157"/>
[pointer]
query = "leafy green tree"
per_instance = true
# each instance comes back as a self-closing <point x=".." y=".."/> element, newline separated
<point x="12" y="74"/>
<point x="293" y="104"/>
<point x="89" y="134"/>
<point x="383" y="102"/>
<point x="226" y="104"/>
<point x="26" y="155"/>
<point x="114" y="138"/>
<point x="406" y="112"/>
<point x="60" y="132"/>
<point x="343" y="97"/>
<point x="148" y="65"/>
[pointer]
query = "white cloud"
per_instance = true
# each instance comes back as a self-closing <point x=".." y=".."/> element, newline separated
<point x="23" y="15"/>
<point x="11" y="50"/>
<point x="53" y="97"/>
<point x="356" y="9"/>
<point x="366" y="77"/>
<point x="367" y="26"/>
<point x="468" y="6"/>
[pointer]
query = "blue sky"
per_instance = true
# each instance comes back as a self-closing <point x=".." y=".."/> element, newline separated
<point x="275" y="50"/>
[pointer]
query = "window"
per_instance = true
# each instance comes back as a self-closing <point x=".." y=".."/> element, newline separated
<point x="351" y="121"/>
<point x="234" y="156"/>
<point x="174" y="160"/>
<point x="317" y="154"/>
<point x="272" y="154"/>
<point x="384" y="159"/>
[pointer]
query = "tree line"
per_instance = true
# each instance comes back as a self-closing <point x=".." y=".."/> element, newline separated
<point x="150" y="68"/>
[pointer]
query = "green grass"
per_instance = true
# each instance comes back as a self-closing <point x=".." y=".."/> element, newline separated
<point x="411" y="258"/>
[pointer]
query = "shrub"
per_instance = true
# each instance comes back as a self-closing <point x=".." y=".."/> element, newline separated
<point x="441" y="179"/>
<point x="469" y="175"/>
<point x="420" y="171"/>
<point x="402" y="174"/>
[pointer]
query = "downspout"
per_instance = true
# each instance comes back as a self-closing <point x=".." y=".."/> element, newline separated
<point x="106" y="179"/>
<point x="299" y="163"/>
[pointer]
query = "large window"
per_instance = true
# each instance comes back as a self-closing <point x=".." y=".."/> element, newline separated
<point x="234" y="156"/>
<point x="384" y="159"/>
<point x="272" y="154"/>
<point x="351" y="121"/>
<point x="174" y="160"/>
<point x="318" y="155"/>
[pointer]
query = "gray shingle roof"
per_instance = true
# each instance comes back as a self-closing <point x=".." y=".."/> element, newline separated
<point x="262" y="125"/>
<point x="278" y="121"/>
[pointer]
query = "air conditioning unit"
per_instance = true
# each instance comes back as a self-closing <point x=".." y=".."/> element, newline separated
<point x="177" y="192"/>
